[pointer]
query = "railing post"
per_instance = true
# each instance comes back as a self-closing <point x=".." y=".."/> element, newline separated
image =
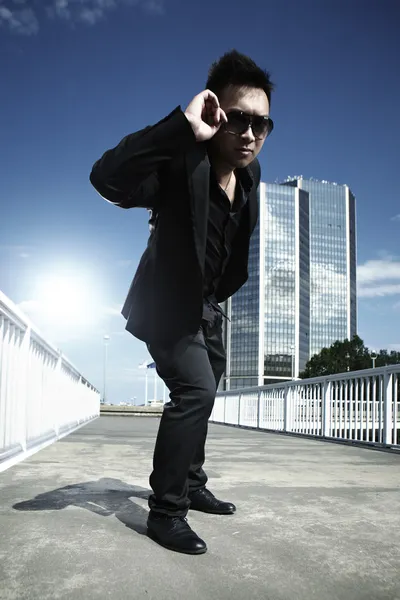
<point x="24" y="389"/>
<point x="286" y="409"/>
<point x="59" y="400"/>
<point x="79" y="386"/>
<point x="240" y="396"/>
<point x="387" y="408"/>
<point x="326" y="409"/>
<point x="258" y="409"/>
<point x="4" y="349"/>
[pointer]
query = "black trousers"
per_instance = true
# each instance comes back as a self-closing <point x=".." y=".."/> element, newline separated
<point x="191" y="369"/>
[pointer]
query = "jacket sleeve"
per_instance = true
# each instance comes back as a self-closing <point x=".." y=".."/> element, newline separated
<point x="128" y="175"/>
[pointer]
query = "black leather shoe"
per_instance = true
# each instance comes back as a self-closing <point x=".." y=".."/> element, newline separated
<point x="205" y="501"/>
<point x="174" y="533"/>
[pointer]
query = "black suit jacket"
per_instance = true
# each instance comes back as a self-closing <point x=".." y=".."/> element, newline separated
<point x="164" y="169"/>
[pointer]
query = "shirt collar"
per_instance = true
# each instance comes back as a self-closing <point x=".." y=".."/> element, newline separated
<point x="244" y="176"/>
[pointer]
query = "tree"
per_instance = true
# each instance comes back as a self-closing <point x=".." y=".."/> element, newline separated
<point x="345" y="356"/>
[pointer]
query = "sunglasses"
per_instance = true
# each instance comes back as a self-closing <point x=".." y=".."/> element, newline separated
<point x="239" y="122"/>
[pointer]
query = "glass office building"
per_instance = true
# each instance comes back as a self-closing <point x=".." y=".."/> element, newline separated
<point x="333" y="301"/>
<point x="301" y="293"/>
<point x="267" y="337"/>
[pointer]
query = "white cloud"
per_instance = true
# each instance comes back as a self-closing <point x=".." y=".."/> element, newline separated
<point x="378" y="270"/>
<point x="379" y="278"/>
<point x="91" y="15"/>
<point x="86" y="11"/>
<point x="380" y="290"/>
<point x="396" y="218"/>
<point x="59" y="9"/>
<point x="21" y="20"/>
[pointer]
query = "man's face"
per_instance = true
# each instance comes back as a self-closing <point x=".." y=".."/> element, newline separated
<point x="229" y="147"/>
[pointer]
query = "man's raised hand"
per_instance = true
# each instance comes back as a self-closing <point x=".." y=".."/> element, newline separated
<point x="205" y="115"/>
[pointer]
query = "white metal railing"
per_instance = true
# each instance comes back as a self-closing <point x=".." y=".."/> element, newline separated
<point x="42" y="395"/>
<point x="359" y="406"/>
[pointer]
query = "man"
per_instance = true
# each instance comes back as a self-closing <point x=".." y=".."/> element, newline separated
<point x="197" y="173"/>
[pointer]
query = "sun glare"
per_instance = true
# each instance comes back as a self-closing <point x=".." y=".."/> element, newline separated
<point x="65" y="296"/>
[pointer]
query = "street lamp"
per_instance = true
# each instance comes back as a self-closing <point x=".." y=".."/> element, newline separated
<point x="373" y="358"/>
<point x="106" y="339"/>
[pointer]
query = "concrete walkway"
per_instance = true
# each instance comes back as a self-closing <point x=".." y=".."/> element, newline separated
<point x="315" y="521"/>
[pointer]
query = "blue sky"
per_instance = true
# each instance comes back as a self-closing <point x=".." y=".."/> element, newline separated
<point x="79" y="75"/>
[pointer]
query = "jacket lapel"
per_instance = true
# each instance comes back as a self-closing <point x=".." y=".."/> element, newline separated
<point x="249" y="221"/>
<point x="253" y="209"/>
<point x="198" y="173"/>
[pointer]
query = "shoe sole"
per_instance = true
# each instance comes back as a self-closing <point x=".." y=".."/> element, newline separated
<point x="153" y="537"/>
<point x="211" y="512"/>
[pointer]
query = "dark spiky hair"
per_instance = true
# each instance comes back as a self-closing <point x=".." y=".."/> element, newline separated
<point x="234" y="68"/>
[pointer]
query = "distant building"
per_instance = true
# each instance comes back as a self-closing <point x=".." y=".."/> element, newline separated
<point x="301" y="291"/>
<point x="267" y="338"/>
<point x="333" y="293"/>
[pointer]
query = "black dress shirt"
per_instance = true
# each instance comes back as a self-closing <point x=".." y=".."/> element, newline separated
<point x="223" y="222"/>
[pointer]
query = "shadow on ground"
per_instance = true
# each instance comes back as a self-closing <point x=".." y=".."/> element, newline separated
<point x="104" y="497"/>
